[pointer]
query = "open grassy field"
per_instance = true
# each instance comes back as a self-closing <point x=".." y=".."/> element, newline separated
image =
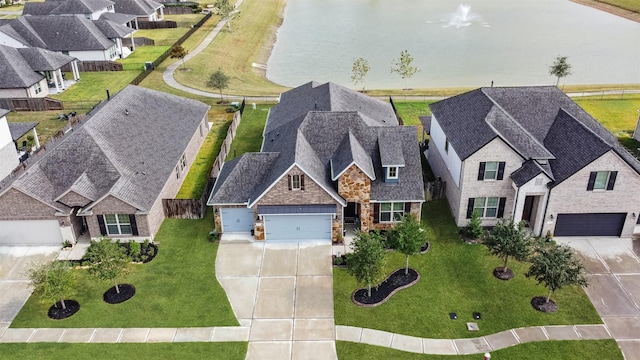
<point x="565" y="350"/>
<point x="457" y="277"/>
<point x="183" y="351"/>
<point x="177" y="289"/>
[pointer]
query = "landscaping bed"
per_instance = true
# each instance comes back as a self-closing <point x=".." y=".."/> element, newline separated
<point x="382" y="292"/>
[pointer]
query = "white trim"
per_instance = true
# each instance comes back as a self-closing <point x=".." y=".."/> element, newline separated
<point x="334" y="178"/>
<point x="104" y="197"/>
<point x="395" y="177"/>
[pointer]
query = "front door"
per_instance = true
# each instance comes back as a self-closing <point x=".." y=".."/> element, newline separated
<point x="528" y="209"/>
<point x="351" y="213"/>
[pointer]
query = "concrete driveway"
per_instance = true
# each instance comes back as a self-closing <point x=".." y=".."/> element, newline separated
<point x="614" y="271"/>
<point x="15" y="261"/>
<point x="284" y="293"/>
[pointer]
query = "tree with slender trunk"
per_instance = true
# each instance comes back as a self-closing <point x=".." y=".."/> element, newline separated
<point x="557" y="266"/>
<point x="508" y="239"/>
<point x="226" y="11"/>
<point x="178" y="52"/>
<point x="359" y="71"/>
<point x="367" y="261"/>
<point x="218" y="80"/>
<point x="52" y="282"/>
<point x="403" y="67"/>
<point x="409" y="238"/>
<point x="108" y="260"/>
<point x="560" y="68"/>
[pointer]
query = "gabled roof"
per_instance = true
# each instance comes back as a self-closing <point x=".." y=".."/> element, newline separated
<point x="529" y="170"/>
<point x="136" y="7"/>
<point x="4" y="112"/>
<point x="118" y="18"/>
<point x="239" y="177"/>
<point x="126" y="154"/>
<point x="540" y="123"/>
<point x="65" y="7"/>
<point x="65" y="33"/>
<point x="44" y="60"/>
<point x="16" y="72"/>
<point x="18" y="129"/>
<point x="308" y="131"/>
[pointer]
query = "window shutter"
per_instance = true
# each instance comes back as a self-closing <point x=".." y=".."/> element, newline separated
<point x="503" y="200"/>
<point x="103" y="228"/>
<point x="376" y="213"/>
<point x="134" y="225"/>
<point x="592" y="180"/>
<point x="481" y="171"/>
<point x="612" y="180"/>
<point x="501" y="170"/>
<point x="470" y="208"/>
<point x="407" y="208"/>
<point x="302" y="182"/>
<point x="289" y="181"/>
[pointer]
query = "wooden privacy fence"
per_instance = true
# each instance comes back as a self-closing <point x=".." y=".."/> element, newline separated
<point x="188" y="208"/>
<point x="226" y="144"/>
<point x="139" y="41"/>
<point x="436" y="190"/>
<point x="177" y="10"/>
<point x="90" y="66"/>
<point x="163" y="24"/>
<point x="31" y="104"/>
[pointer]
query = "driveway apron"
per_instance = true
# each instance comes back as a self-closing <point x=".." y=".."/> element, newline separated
<point x="613" y="269"/>
<point x="284" y="293"/>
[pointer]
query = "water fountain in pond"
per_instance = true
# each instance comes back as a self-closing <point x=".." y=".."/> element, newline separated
<point x="463" y="17"/>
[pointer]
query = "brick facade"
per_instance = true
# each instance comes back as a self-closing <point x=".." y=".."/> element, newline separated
<point x="72" y="199"/>
<point x="16" y="205"/>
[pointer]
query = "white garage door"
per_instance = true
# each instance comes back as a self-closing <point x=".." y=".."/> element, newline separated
<point x="297" y="227"/>
<point x="30" y="232"/>
<point x="236" y="220"/>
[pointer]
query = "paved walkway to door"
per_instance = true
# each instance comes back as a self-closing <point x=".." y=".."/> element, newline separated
<point x="284" y="294"/>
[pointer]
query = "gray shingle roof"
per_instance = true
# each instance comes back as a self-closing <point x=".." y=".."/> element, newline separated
<point x="391" y="153"/>
<point x="16" y="72"/>
<point x="250" y="168"/>
<point x="65" y="7"/>
<point x="307" y="129"/>
<point x="111" y="29"/>
<point x="18" y="129"/>
<point x="4" y="112"/>
<point x="127" y="156"/>
<point x="425" y="120"/>
<point x="64" y="33"/>
<point x="538" y="122"/>
<point x="526" y="172"/>
<point x="118" y="18"/>
<point x="136" y="7"/>
<point x="44" y="60"/>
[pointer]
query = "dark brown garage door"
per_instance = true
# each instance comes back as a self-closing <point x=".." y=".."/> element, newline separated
<point x="609" y="224"/>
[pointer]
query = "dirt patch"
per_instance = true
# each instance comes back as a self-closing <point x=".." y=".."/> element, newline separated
<point x="627" y="14"/>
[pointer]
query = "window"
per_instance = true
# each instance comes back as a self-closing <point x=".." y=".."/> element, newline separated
<point x="118" y="224"/>
<point x="486" y="207"/>
<point x="391" y="212"/>
<point x="112" y="52"/>
<point x="177" y="172"/>
<point x="602" y="180"/>
<point x="295" y="182"/>
<point x="392" y="172"/>
<point x="491" y="170"/>
<point x="183" y="162"/>
<point x="37" y="88"/>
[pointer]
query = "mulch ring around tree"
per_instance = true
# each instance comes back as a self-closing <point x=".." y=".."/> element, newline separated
<point x="381" y="293"/>
<point x="425" y="248"/>
<point x="111" y="296"/>
<point x="503" y="275"/>
<point x="540" y="303"/>
<point x="56" y="312"/>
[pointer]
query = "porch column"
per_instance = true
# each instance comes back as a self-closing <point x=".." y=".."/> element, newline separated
<point x="59" y="72"/>
<point x="55" y="80"/>
<point x="35" y="138"/>
<point x="74" y="69"/>
<point x="133" y="43"/>
<point x="137" y="28"/>
<point x="161" y="13"/>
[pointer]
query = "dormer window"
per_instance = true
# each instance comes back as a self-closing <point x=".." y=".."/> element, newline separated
<point x="392" y="172"/>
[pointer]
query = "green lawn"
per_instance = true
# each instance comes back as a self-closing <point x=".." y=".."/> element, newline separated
<point x="617" y="115"/>
<point x="48" y="122"/>
<point x="565" y="350"/>
<point x="249" y="135"/>
<point x="92" y="85"/>
<point x="142" y="54"/>
<point x="167" y="37"/>
<point x="410" y="111"/>
<point x="177" y="289"/>
<point x="457" y="277"/>
<point x="183" y="351"/>
<point x="196" y="180"/>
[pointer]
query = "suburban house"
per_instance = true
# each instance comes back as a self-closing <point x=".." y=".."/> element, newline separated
<point x="109" y="175"/>
<point x="147" y="10"/>
<point x="33" y="72"/>
<point x="76" y="36"/>
<point x="532" y="154"/>
<point x="8" y="155"/>
<point x="90" y="9"/>
<point x="329" y="156"/>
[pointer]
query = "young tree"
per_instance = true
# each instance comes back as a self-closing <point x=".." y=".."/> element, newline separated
<point x="557" y="266"/>
<point x="409" y="238"/>
<point x="474" y="227"/>
<point x="508" y="239"/>
<point x="359" y="71"/>
<point x="108" y="260"/>
<point x="367" y="261"/>
<point x="218" y="80"/>
<point x="52" y="282"/>
<point x="226" y="11"/>
<point x="178" y="52"/>
<point x="560" y="68"/>
<point x="403" y="67"/>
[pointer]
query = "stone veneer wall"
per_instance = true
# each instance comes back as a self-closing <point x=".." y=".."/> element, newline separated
<point x="355" y="186"/>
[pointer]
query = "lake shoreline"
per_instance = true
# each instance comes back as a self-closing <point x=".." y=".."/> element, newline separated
<point x="627" y="14"/>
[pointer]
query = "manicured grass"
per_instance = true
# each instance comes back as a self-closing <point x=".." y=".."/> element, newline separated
<point x="177" y="289"/>
<point x="234" y="51"/>
<point x="616" y="114"/>
<point x="142" y="54"/>
<point x="565" y="350"/>
<point x="410" y="112"/>
<point x="92" y="85"/>
<point x="631" y="5"/>
<point x="183" y="351"/>
<point x="167" y="37"/>
<point x="457" y="277"/>
<point x="49" y="123"/>
<point x="196" y="180"/>
<point x="249" y="135"/>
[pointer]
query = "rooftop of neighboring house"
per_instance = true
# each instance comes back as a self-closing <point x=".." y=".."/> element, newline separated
<point x="20" y="67"/>
<point x="65" y="7"/>
<point x="540" y="123"/>
<point x="137" y="7"/>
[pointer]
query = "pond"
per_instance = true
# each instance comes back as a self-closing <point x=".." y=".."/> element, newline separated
<point x="508" y="42"/>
